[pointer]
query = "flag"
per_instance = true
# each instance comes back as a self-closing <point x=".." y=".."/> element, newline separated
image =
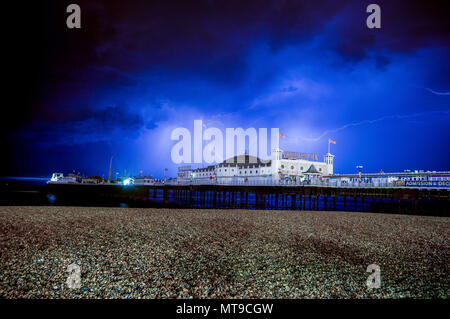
<point x="282" y="135"/>
<point x="331" y="141"/>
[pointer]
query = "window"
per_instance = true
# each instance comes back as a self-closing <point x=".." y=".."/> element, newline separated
<point x="225" y="169"/>
<point x="320" y="169"/>
<point x="245" y="172"/>
<point x="250" y="172"/>
<point x="301" y="168"/>
<point x="292" y="167"/>
<point x="282" y="166"/>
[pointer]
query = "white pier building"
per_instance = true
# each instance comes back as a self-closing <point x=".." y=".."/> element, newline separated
<point x="286" y="166"/>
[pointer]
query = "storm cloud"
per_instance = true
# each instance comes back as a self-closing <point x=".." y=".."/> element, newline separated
<point x="137" y="69"/>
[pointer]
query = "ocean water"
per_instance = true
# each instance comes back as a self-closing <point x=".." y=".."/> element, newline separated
<point x="20" y="181"/>
<point x="23" y="191"/>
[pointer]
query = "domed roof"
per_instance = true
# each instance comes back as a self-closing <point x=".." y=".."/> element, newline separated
<point x="245" y="160"/>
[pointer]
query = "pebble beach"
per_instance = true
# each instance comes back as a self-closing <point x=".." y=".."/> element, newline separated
<point x="186" y="253"/>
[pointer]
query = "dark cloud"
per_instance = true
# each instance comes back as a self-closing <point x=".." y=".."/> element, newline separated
<point x="405" y="26"/>
<point x="89" y="126"/>
<point x="138" y="36"/>
<point x="119" y="41"/>
<point x="289" y="89"/>
<point x="210" y="56"/>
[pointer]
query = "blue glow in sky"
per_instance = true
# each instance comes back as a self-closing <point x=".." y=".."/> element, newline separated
<point x="134" y="72"/>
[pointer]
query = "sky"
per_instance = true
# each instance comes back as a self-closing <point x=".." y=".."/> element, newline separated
<point x="136" y="70"/>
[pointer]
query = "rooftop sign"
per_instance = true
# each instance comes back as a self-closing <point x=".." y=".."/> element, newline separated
<point x="297" y="155"/>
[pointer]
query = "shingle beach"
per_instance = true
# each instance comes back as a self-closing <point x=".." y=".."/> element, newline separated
<point x="185" y="253"/>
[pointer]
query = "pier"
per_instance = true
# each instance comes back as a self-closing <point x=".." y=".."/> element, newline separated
<point x="418" y="201"/>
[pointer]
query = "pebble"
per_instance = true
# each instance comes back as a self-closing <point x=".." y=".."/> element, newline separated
<point x="186" y="253"/>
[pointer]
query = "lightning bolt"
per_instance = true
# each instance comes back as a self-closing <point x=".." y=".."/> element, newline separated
<point x="437" y="93"/>
<point x="387" y="117"/>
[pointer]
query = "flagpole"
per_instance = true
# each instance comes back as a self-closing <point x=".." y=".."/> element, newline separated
<point x="328" y="146"/>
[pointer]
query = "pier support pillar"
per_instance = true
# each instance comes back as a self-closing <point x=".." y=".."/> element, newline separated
<point x="233" y="200"/>
<point x="241" y="200"/>
<point x="246" y="200"/>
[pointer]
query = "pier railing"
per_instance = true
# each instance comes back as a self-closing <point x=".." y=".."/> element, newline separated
<point x="336" y="184"/>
